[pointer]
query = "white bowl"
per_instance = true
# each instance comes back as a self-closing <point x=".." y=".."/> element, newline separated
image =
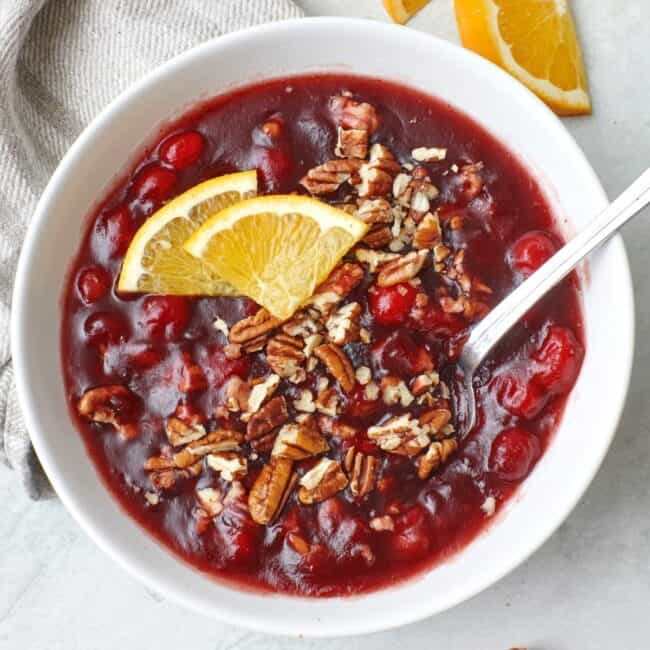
<point x="466" y="81"/>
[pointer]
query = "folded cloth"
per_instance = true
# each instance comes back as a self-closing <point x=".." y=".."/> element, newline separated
<point x="61" y="62"/>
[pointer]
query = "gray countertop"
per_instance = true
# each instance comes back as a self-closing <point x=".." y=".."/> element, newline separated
<point x="587" y="588"/>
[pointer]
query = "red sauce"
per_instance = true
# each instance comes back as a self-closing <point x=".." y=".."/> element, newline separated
<point x="507" y="230"/>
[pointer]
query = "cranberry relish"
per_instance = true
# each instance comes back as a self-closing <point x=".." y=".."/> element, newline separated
<point x="318" y="456"/>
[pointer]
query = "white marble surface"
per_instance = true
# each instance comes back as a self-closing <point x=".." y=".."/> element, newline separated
<point x="587" y="588"/>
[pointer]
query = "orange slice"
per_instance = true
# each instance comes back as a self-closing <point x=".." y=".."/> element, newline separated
<point x="535" y="41"/>
<point x="401" y="11"/>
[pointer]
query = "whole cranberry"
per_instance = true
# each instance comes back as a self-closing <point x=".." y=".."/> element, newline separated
<point x="391" y="305"/>
<point x="274" y="167"/>
<point x="115" y="230"/>
<point x="93" y="284"/>
<point x="518" y="392"/>
<point x="105" y="327"/>
<point x="182" y="150"/>
<point x="153" y="184"/>
<point x="513" y="453"/>
<point x="165" y="317"/>
<point x="399" y="354"/>
<point x="530" y="251"/>
<point x="559" y="359"/>
<point x="411" y="539"/>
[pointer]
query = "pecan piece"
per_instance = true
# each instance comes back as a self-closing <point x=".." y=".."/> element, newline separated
<point x="351" y="143"/>
<point x="301" y="324"/>
<point x="436" y="455"/>
<point x="211" y="500"/>
<point x="272" y="415"/>
<point x="435" y="419"/>
<point x="378" y="237"/>
<point x="428" y="232"/>
<point x="253" y="329"/>
<point x="297" y="441"/>
<point x="329" y="176"/>
<point x="238" y="392"/>
<point x="337" y="364"/>
<point x="284" y="354"/>
<point x="385" y="523"/>
<point x="180" y="433"/>
<point x="231" y="466"/>
<point x="115" y="405"/>
<point x="341" y="281"/>
<point x="343" y="325"/>
<point x="216" y="441"/>
<point x="374" y="259"/>
<point x="352" y="114"/>
<point x="429" y="154"/>
<point x="402" y="269"/>
<point x="327" y="402"/>
<point x="167" y="479"/>
<point x="378" y="174"/>
<point x="261" y="392"/>
<point x="158" y="463"/>
<point x="271" y="490"/>
<point x="472" y="179"/>
<point x="395" y="391"/>
<point x="401" y="435"/>
<point x="375" y="211"/>
<point x="322" y="481"/>
<point x="362" y="470"/>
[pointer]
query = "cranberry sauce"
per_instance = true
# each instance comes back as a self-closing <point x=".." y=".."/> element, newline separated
<point x="164" y="371"/>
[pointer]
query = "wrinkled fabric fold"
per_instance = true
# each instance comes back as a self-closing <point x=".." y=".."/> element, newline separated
<point x="61" y="63"/>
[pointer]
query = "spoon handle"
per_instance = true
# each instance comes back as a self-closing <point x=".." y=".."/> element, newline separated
<point x="498" y="321"/>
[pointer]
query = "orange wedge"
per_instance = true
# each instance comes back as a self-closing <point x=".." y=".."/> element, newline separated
<point x="535" y="41"/>
<point x="401" y="11"/>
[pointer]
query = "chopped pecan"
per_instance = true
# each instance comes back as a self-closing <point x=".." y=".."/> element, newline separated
<point x="374" y="259"/>
<point x="322" y="481"/>
<point x="341" y="281"/>
<point x="238" y="392"/>
<point x="378" y="174"/>
<point x="179" y="433"/>
<point x="216" y="441"/>
<point x="337" y="364"/>
<point x="272" y="415"/>
<point x="230" y="465"/>
<point x="375" y="211"/>
<point x="429" y="154"/>
<point x="327" y="402"/>
<point x="363" y="374"/>
<point x="305" y="402"/>
<point x="343" y="325"/>
<point x="436" y="455"/>
<point x="271" y="490"/>
<point x="297" y="441"/>
<point x="378" y="236"/>
<point x="385" y="523"/>
<point x="211" y="500"/>
<point x="311" y="343"/>
<point x="424" y="382"/>
<point x="167" y="479"/>
<point x="284" y="354"/>
<point x="402" y="269"/>
<point x="253" y="328"/>
<point x="261" y="392"/>
<point x="395" y="391"/>
<point x="428" y="232"/>
<point x="298" y="543"/>
<point x="351" y="143"/>
<point x="301" y="324"/>
<point x="352" y="114"/>
<point x="362" y="470"/>
<point x="472" y="179"/>
<point x="115" y="405"/>
<point x="401" y="435"/>
<point x="265" y="443"/>
<point x="329" y="176"/>
<point x="435" y="419"/>
<point x="158" y="463"/>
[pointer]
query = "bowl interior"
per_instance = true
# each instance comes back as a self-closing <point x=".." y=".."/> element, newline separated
<point x="474" y="86"/>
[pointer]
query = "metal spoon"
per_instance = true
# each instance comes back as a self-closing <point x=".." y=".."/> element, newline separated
<point x="500" y="319"/>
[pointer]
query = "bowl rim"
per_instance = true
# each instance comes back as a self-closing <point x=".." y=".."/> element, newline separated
<point x="19" y="344"/>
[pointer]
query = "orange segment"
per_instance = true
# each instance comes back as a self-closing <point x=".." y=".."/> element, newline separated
<point x="401" y="11"/>
<point x="535" y="41"/>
